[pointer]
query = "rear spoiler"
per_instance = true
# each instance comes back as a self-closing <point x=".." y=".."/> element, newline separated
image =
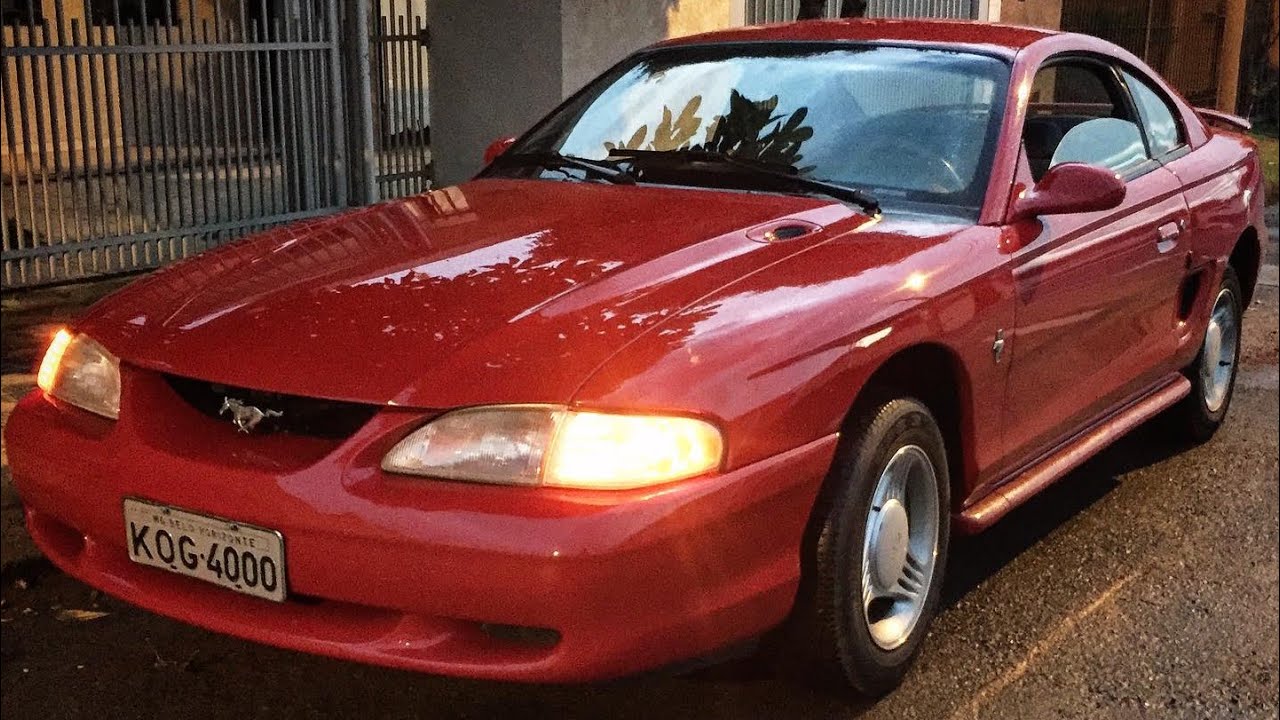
<point x="1224" y="121"/>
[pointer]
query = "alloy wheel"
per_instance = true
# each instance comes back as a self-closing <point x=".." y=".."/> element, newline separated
<point x="900" y="547"/>
<point x="1218" y="359"/>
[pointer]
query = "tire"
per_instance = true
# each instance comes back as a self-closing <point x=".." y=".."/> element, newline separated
<point x="1199" y="415"/>
<point x="832" y="633"/>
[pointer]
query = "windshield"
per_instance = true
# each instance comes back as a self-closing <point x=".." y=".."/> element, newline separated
<point x="911" y="126"/>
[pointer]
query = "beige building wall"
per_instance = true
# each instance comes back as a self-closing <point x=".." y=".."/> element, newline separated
<point x="1033" y="13"/>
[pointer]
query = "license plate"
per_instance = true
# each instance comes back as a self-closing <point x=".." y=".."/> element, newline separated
<point x="236" y="556"/>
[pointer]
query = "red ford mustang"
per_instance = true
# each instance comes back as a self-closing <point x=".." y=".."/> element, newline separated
<point x="731" y="343"/>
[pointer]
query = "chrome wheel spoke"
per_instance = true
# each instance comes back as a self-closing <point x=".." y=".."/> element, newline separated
<point x="897" y="485"/>
<point x="900" y="546"/>
<point x="913" y="581"/>
<point x="1218" y="354"/>
<point x="913" y="575"/>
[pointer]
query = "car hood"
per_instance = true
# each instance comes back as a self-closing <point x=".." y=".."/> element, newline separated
<point x="490" y="291"/>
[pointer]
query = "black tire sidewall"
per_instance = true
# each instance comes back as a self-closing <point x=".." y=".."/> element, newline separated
<point x="1201" y="422"/>
<point x="900" y="423"/>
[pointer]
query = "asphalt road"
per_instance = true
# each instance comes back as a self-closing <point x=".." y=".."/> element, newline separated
<point x="1143" y="586"/>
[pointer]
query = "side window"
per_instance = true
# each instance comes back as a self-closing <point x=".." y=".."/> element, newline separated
<point x="1078" y="90"/>
<point x="1077" y="113"/>
<point x="1163" y="131"/>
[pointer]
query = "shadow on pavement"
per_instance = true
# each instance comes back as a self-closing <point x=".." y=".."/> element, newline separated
<point x="974" y="559"/>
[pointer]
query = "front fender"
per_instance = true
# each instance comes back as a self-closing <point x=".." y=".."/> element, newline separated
<point x="778" y="358"/>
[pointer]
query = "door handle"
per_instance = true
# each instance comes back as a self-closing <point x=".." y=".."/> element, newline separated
<point x="1167" y="236"/>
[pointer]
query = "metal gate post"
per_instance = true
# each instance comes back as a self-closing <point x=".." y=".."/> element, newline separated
<point x="342" y="178"/>
<point x="361" y="98"/>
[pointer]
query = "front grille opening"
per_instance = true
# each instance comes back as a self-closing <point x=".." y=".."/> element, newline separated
<point x="298" y="415"/>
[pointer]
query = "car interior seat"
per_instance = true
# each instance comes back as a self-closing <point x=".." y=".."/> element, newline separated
<point x="1110" y="142"/>
<point x="1040" y="137"/>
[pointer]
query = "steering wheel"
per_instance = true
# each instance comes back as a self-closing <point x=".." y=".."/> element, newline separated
<point x="945" y="180"/>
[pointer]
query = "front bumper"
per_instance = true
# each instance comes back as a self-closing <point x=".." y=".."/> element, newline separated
<point x="410" y="573"/>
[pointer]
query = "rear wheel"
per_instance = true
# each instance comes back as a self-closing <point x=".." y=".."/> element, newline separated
<point x="877" y="548"/>
<point x="1213" y="374"/>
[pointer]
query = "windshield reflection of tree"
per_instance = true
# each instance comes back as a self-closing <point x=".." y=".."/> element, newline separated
<point x="749" y="130"/>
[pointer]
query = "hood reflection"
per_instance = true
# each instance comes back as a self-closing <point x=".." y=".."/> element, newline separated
<point x="496" y="281"/>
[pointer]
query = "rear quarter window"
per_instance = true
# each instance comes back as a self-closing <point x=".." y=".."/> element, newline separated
<point x="1158" y="119"/>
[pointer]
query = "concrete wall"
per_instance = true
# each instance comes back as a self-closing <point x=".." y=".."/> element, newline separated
<point x="495" y="69"/>
<point x="599" y="33"/>
<point x="499" y="65"/>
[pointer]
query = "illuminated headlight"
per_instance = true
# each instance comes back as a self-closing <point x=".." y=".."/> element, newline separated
<point x="80" y="372"/>
<point x="557" y="447"/>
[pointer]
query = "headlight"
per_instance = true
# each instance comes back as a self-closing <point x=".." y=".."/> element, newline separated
<point x="80" y="372"/>
<point x="558" y="447"/>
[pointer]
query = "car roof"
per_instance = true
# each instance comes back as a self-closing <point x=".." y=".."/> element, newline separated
<point x="991" y="37"/>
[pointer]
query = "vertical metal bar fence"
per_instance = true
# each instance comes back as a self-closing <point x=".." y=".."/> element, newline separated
<point x="137" y="133"/>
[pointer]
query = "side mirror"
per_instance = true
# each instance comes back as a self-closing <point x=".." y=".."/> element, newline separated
<point x="1070" y="188"/>
<point x="496" y="148"/>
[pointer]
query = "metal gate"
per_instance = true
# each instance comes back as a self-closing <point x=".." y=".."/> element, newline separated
<point x="950" y="9"/>
<point x="401" y="118"/>
<point x="135" y="134"/>
<point x="1181" y="41"/>
<point x="769" y="11"/>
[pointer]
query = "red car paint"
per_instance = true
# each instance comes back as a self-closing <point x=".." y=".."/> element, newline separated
<point x="615" y="297"/>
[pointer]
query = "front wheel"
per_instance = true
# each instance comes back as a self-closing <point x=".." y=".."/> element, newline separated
<point x="877" y="551"/>
<point x="1213" y="374"/>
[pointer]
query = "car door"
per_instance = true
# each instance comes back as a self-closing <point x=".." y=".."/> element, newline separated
<point x="1096" y="292"/>
<point x="1211" y="198"/>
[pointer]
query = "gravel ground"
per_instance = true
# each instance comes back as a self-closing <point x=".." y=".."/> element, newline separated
<point x="1143" y="586"/>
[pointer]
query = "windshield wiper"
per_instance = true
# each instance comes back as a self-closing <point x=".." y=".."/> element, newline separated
<point x="599" y="168"/>
<point x="776" y="171"/>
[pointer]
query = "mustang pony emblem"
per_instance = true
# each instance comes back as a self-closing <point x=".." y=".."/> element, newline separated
<point x="246" y="417"/>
